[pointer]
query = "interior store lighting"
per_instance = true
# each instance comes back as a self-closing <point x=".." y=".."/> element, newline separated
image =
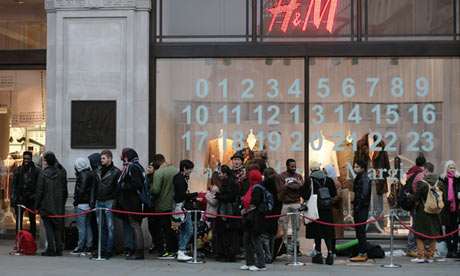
<point x="394" y="61"/>
<point x="354" y="61"/>
<point x="287" y="62"/>
<point x="268" y="61"/>
<point x="20" y="1"/>
<point x="227" y="61"/>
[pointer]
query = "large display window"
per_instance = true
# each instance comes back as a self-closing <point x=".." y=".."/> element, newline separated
<point x="22" y="128"/>
<point x="386" y="111"/>
<point x="207" y="109"/>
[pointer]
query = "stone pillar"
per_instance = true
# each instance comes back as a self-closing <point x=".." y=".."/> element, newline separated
<point x="97" y="50"/>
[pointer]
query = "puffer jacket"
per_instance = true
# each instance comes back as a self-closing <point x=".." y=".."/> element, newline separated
<point x="105" y="186"/>
<point x="362" y="189"/>
<point x="51" y="193"/>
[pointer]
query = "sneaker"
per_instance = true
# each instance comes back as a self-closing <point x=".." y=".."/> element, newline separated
<point x="49" y="253"/>
<point x="412" y="254"/>
<point x="244" y="267"/>
<point x="166" y="256"/>
<point x="182" y="257"/>
<point x="77" y="251"/>
<point x="255" y="268"/>
<point x="359" y="258"/>
<point x="430" y="261"/>
<point x="128" y="252"/>
<point x="89" y="250"/>
<point x="417" y="260"/>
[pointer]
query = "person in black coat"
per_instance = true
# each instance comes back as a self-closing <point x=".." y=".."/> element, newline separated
<point x="273" y="182"/>
<point x="227" y="229"/>
<point x="23" y="190"/>
<point x="451" y="181"/>
<point x="254" y="226"/>
<point x="183" y="197"/>
<point x="128" y="187"/>
<point x="314" y="230"/>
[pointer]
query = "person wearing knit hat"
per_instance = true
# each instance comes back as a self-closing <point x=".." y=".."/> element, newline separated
<point x="315" y="166"/>
<point x="253" y="222"/>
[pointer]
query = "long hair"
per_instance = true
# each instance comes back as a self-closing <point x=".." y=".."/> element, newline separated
<point x="274" y="183"/>
<point x="215" y="180"/>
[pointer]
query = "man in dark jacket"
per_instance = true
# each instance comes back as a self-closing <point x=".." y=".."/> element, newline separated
<point x="361" y="202"/>
<point x="184" y="198"/>
<point x="104" y="192"/>
<point x="23" y="190"/>
<point x="128" y="188"/>
<point x="82" y="203"/>
<point x="50" y="198"/>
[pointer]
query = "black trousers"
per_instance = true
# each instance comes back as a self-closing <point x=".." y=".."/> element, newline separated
<point x="361" y="215"/>
<point x="452" y="240"/>
<point x="255" y="254"/>
<point x="53" y="234"/>
<point x="165" y="234"/>
<point x="19" y="220"/>
<point x="135" y="222"/>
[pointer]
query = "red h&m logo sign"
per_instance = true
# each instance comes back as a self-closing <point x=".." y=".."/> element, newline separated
<point x="316" y="9"/>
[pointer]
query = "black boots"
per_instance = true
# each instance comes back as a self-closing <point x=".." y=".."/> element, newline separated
<point x="49" y="253"/>
<point x="317" y="259"/>
<point x="139" y="255"/>
<point x="330" y="259"/>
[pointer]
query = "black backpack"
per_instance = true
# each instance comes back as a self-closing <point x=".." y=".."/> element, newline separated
<point x="404" y="201"/>
<point x="324" y="197"/>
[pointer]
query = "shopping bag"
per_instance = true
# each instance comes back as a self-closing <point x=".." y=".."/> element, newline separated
<point x="312" y="205"/>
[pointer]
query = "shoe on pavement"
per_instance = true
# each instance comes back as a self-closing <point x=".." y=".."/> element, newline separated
<point x="430" y="261"/>
<point x="49" y="253"/>
<point x="359" y="258"/>
<point x="181" y="256"/>
<point x="77" y="251"/>
<point x="255" y="268"/>
<point x="412" y="254"/>
<point x="244" y="267"/>
<point x="417" y="260"/>
<point x="166" y="256"/>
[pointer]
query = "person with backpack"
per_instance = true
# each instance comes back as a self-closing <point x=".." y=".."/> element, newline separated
<point x="413" y="176"/>
<point x="255" y="209"/>
<point x="83" y="202"/>
<point x="128" y="188"/>
<point x="184" y="199"/>
<point x="451" y="180"/>
<point x="430" y="196"/>
<point x="323" y="186"/>
<point x="163" y="190"/>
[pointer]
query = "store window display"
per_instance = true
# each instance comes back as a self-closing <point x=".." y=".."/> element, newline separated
<point x="22" y="128"/>
<point x="387" y="112"/>
<point x="254" y="107"/>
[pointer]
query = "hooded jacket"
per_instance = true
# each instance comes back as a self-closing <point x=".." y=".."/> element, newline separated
<point x="130" y="182"/>
<point x="51" y="193"/>
<point x="362" y="189"/>
<point x="84" y="183"/>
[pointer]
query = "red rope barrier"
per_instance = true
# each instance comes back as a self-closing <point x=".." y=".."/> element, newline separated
<point x="147" y="214"/>
<point x="57" y="216"/>
<point x="425" y="236"/>
<point x="344" y="225"/>
<point x="223" y="216"/>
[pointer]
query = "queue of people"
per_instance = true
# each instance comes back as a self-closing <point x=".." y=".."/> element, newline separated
<point x="254" y="192"/>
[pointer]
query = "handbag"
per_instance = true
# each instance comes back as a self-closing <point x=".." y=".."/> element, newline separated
<point x="279" y="232"/>
<point x="312" y="205"/>
<point x="178" y="207"/>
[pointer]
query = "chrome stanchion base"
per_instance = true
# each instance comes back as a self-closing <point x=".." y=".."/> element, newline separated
<point x="97" y="259"/>
<point x="195" y="262"/>
<point x="391" y="265"/>
<point x="295" y="264"/>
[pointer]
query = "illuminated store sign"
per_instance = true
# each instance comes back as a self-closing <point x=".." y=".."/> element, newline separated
<point x="316" y="10"/>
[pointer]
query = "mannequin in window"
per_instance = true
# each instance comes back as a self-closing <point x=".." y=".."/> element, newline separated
<point x="218" y="153"/>
<point x="252" y="149"/>
<point x="325" y="155"/>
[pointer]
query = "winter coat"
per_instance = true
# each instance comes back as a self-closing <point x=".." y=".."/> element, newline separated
<point x="448" y="217"/>
<point x="337" y="209"/>
<point x="163" y="188"/>
<point x="181" y="192"/>
<point x="212" y="202"/>
<point x="315" y="230"/>
<point x="291" y="192"/>
<point x="51" y="194"/>
<point x="427" y="224"/>
<point x="254" y="220"/>
<point x="128" y="187"/>
<point x="363" y="190"/>
<point x="24" y="185"/>
<point x="229" y="203"/>
<point x="83" y="187"/>
<point x="378" y="161"/>
<point x="271" y="224"/>
<point x="105" y="185"/>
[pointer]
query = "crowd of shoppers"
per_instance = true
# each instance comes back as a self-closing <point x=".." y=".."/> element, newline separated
<point x="253" y="191"/>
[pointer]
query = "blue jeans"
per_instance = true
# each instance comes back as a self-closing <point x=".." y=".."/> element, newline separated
<point x="129" y="234"/>
<point x="107" y="226"/>
<point x="85" y="234"/>
<point x="185" y="232"/>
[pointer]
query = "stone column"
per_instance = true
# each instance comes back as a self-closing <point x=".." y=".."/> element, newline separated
<point x="97" y="50"/>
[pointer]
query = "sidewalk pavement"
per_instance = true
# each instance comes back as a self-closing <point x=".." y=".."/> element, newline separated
<point x="70" y="265"/>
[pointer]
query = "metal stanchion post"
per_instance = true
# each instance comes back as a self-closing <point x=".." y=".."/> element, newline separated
<point x="19" y="218"/>
<point x="99" y="238"/>
<point x="195" y="242"/>
<point x="294" y="240"/>
<point x="391" y="265"/>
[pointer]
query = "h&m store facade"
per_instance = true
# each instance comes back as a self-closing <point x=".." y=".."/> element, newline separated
<point x="324" y="80"/>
